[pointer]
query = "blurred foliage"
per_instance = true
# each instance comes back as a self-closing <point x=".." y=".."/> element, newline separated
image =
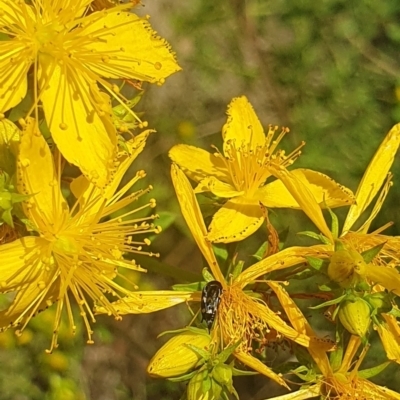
<point x="328" y="70"/>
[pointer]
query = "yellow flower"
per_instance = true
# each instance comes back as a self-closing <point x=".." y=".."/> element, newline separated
<point x="72" y="52"/>
<point x="75" y="254"/>
<point x="240" y="175"/>
<point x="241" y="317"/>
<point x="338" y="383"/>
<point x="381" y="271"/>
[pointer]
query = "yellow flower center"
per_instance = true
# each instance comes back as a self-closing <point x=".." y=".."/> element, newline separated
<point x="239" y="319"/>
<point x="340" y="387"/>
<point x="249" y="167"/>
<point x="49" y="38"/>
<point x="66" y="245"/>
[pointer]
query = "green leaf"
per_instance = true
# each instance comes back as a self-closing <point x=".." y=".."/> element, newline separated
<point x="261" y="251"/>
<point x="369" y="255"/>
<point x="336" y="357"/>
<point x="184" y="377"/>
<point x="237" y="269"/>
<point x="224" y="355"/>
<point x="339" y="245"/>
<point x="239" y="372"/>
<point x="205" y="355"/>
<point x="310" y="234"/>
<point x="317" y="263"/>
<point x="189" y="287"/>
<point x="329" y="302"/>
<point x="207" y="275"/>
<point x="370" y="372"/>
<point x="335" y="223"/>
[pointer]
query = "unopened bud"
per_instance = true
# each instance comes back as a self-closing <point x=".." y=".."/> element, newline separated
<point x="355" y="316"/>
<point x="222" y="373"/>
<point x="175" y="357"/>
<point x="199" y="387"/>
<point x="347" y="268"/>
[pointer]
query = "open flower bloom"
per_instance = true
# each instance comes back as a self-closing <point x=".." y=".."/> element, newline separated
<point x="341" y="383"/>
<point x="240" y="317"/>
<point x="75" y="254"/>
<point x="240" y="175"/>
<point x="381" y="270"/>
<point x="72" y="52"/>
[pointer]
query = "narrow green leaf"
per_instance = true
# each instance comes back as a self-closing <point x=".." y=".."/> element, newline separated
<point x="329" y="302"/>
<point x="369" y="255"/>
<point x="370" y="372"/>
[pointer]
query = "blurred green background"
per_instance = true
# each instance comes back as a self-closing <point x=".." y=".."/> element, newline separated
<point x="328" y="70"/>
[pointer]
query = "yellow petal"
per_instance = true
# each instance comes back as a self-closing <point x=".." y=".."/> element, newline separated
<point x="125" y="46"/>
<point x="386" y="276"/>
<point x="378" y="392"/>
<point x="374" y="176"/>
<point x="302" y="394"/>
<point x="284" y="259"/>
<point x="193" y="217"/>
<point x="13" y="271"/>
<point x="28" y="302"/>
<point x="37" y="177"/>
<point x="324" y="189"/>
<point x="83" y="189"/>
<point x="305" y="199"/>
<point x="217" y="187"/>
<point x="236" y="220"/>
<point x="79" y="120"/>
<point x="258" y="366"/>
<point x="148" y="302"/>
<point x="198" y="163"/>
<point x="14" y="66"/>
<point x="274" y="321"/>
<point x="242" y="125"/>
<point x="389" y="333"/>
<point x="318" y="347"/>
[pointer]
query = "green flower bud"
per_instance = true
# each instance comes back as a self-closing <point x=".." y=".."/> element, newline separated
<point x="355" y="316"/>
<point x="175" y="357"/>
<point x="222" y="373"/>
<point x="199" y="387"/>
<point x="347" y="268"/>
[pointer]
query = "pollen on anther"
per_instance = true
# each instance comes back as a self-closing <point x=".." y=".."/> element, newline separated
<point x="63" y="126"/>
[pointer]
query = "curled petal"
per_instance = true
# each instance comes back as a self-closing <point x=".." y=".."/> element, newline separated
<point x="325" y="190"/>
<point x="305" y="199"/>
<point x="258" y="366"/>
<point x="148" y="302"/>
<point x="374" y="176"/>
<point x="389" y="333"/>
<point x="193" y="217"/>
<point x="284" y="259"/>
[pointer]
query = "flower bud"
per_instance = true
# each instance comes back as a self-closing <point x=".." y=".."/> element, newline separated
<point x="175" y="357"/>
<point x="355" y="316"/>
<point x="199" y="387"/>
<point x="347" y="268"/>
<point x="222" y="373"/>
